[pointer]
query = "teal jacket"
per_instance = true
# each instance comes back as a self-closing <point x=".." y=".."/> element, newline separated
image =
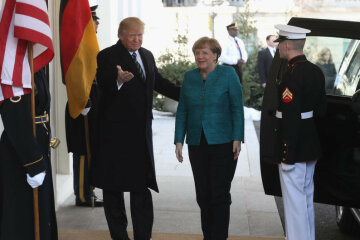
<point x="216" y="106"/>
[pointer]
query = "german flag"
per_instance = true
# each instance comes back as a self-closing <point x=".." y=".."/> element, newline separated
<point x="79" y="47"/>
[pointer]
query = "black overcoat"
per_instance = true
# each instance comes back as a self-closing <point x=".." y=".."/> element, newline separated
<point x="264" y="63"/>
<point x="125" y="160"/>
<point x="19" y="152"/>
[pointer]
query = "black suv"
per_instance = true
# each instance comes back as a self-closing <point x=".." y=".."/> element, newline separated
<point x="335" y="47"/>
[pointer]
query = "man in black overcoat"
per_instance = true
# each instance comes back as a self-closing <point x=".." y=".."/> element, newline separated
<point x="127" y="76"/>
<point x="25" y="164"/>
<point x="265" y="57"/>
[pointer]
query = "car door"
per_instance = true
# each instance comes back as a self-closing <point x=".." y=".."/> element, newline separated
<point x="337" y="174"/>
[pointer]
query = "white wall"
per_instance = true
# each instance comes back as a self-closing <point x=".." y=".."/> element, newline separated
<point x="160" y="28"/>
<point x="111" y="12"/>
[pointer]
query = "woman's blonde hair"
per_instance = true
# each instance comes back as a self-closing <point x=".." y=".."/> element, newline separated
<point x="321" y="55"/>
<point x="130" y="23"/>
<point x="212" y="43"/>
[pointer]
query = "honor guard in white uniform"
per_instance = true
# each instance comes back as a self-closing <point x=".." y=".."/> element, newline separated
<point x="301" y="93"/>
<point x="234" y="53"/>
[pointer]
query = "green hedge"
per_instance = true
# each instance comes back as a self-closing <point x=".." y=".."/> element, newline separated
<point x="252" y="90"/>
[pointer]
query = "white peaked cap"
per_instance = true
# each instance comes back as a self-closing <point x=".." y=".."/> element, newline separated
<point x="288" y="32"/>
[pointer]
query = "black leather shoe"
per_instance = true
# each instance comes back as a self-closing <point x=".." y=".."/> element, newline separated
<point x="97" y="203"/>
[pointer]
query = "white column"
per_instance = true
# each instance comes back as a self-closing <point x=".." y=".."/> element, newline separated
<point x="108" y="12"/>
<point x="60" y="156"/>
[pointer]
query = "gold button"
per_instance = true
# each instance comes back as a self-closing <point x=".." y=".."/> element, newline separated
<point x="284" y="152"/>
<point x="285" y="144"/>
<point x="284" y="159"/>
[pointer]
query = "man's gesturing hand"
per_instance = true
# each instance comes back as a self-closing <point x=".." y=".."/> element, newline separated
<point x="123" y="76"/>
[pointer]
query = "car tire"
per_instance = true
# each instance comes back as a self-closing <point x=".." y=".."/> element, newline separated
<point x="345" y="220"/>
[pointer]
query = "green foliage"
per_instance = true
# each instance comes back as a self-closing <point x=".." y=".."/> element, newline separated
<point x="252" y="90"/>
<point x="246" y="22"/>
<point x="173" y="65"/>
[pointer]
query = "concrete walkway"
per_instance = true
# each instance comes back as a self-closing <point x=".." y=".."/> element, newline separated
<point x="176" y="211"/>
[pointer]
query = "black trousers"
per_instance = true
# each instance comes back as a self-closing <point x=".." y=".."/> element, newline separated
<point x="213" y="167"/>
<point x="238" y="71"/>
<point x="142" y="214"/>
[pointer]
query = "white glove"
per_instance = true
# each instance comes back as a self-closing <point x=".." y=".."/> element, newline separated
<point x="85" y="111"/>
<point x="287" y="167"/>
<point x="36" y="180"/>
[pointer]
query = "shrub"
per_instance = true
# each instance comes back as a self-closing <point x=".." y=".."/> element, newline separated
<point x="252" y="90"/>
<point x="173" y="67"/>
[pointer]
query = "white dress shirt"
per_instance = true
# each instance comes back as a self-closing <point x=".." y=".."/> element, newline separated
<point x="230" y="53"/>
<point x="138" y="58"/>
<point x="272" y="51"/>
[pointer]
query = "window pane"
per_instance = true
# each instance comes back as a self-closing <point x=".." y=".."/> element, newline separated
<point x="333" y="56"/>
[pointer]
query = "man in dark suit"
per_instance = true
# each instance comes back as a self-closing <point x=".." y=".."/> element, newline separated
<point x="265" y="57"/>
<point x="127" y="75"/>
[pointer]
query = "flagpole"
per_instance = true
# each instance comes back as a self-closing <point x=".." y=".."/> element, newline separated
<point x="35" y="190"/>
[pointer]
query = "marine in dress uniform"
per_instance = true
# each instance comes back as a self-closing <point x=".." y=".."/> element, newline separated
<point x="25" y="160"/>
<point x="301" y="99"/>
<point x="76" y="141"/>
<point x="127" y="76"/>
<point x="233" y="52"/>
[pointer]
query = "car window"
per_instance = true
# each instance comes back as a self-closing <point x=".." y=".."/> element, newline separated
<point x="339" y="59"/>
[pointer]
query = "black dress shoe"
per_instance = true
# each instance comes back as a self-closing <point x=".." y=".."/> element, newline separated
<point x="97" y="203"/>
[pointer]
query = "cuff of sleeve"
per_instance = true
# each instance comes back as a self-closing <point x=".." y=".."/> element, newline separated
<point x="119" y="85"/>
<point x="35" y="167"/>
<point x="179" y="140"/>
<point x="238" y="138"/>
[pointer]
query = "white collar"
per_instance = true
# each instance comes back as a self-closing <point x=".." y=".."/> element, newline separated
<point x="131" y="53"/>
<point x="232" y="38"/>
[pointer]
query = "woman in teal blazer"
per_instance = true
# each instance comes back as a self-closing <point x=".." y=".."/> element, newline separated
<point x="211" y="115"/>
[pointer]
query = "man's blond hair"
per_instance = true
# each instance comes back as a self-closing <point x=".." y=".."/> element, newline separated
<point x="130" y="23"/>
